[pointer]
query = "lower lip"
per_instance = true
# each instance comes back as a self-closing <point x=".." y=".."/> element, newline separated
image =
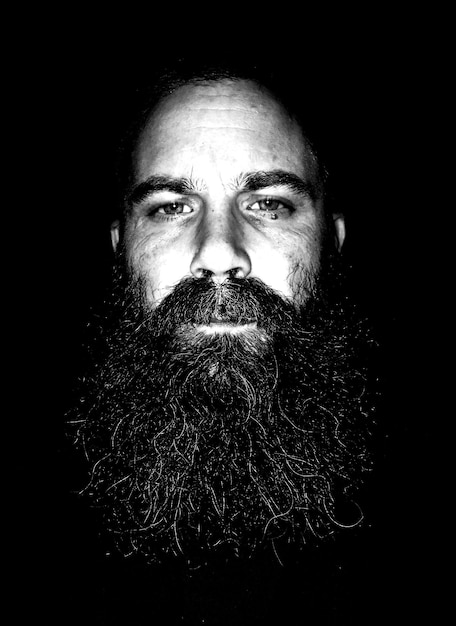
<point x="221" y="327"/>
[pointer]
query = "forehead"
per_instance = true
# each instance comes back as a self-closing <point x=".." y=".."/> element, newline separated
<point x="229" y="125"/>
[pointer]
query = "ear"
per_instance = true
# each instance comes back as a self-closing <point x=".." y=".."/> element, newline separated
<point x="339" y="230"/>
<point x="115" y="234"/>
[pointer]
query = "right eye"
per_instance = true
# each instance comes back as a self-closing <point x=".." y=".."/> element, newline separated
<point x="174" y="208"/>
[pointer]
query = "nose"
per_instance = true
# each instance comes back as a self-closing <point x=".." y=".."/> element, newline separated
<point x="220" y="250"/>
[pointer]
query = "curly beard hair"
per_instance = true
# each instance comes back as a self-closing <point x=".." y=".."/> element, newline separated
<point x="220" y="443"/>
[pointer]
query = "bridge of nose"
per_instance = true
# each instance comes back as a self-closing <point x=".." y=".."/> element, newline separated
<point x="220" y="245"/>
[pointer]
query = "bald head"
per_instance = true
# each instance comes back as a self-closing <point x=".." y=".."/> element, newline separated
<point x="222" y="116"/>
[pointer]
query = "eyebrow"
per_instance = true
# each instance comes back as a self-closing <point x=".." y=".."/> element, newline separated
<point x="254" y="181"/>
<point x="247" y="181"/>
<point x="156" y="183"/>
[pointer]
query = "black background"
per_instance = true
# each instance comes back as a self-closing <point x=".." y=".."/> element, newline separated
<point x="378" y="85"/>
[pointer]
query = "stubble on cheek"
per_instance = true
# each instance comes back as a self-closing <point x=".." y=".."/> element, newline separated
<point x="143" y="260"/>
<point x="144" y="269"/>
<point x="303" y="280"/>
<point x="305" y="270"/>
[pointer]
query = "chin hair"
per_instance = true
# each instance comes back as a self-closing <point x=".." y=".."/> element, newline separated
<point x="201" y="443"/>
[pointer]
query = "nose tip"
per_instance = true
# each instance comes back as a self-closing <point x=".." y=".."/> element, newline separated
<point x="219" y="265"/>
<point x="221" y="256"/>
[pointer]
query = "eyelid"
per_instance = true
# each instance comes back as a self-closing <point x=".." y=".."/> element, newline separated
<point x="163" y="198"/>
<point x="283" y="194"/>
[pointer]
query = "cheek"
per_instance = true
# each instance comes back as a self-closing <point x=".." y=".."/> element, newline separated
<point x="303" y="280"/>
<point x="160" y="266"/>
<point x="304" y="260"/>
<point x="288" y="261"/>
<point x="140" y="253"/>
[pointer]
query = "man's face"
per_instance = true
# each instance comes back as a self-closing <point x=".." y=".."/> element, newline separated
<point x="225" y="186"/>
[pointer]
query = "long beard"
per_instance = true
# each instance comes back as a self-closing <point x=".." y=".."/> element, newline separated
<point x="201" y="443"/>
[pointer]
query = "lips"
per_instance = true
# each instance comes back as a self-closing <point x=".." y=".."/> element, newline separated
<point x="234" y="321"/>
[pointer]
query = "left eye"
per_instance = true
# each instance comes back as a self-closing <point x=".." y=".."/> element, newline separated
<point x="268" y="204"/>
<point x="174" y="208"/>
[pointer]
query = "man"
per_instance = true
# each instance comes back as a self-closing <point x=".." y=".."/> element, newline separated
<point x="227" y="405"/>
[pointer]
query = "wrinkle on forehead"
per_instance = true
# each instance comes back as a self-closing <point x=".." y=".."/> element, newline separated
<point x="238" y="115"/>
<point x="226" y="103"/>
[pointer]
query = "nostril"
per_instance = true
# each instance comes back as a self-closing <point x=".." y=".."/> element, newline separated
<point x="236" y="272"/>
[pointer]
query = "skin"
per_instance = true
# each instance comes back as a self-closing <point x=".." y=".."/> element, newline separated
<point x="212" y="134"/>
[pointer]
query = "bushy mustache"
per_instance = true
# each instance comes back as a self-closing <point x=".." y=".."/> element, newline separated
<point x="235" y="301"/>
<point x="202" y="301"/>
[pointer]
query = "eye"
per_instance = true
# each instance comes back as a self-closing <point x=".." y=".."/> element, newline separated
<point x="267" y="205"/>
<point x="174" y="208"/>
